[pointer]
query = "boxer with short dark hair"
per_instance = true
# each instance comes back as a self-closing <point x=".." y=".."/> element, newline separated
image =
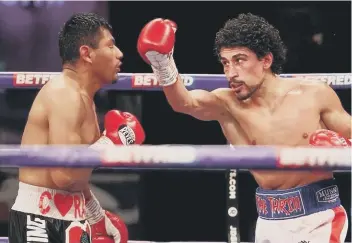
<point x="261" y="108"/>
<point x="56" y="204"/>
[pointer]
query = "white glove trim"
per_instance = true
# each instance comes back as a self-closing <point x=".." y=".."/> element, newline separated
<point x="94" y="211"/>
<point x="111" y="230"/>
<point x="101" y="143"/>
<point x="164" y="67"/>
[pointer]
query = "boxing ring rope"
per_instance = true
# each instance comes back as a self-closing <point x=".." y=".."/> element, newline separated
<point x="177" y="156"/>
<point x="5" y="240"/>
<point x="181" y="157"/>
<point x="148" y="82"/>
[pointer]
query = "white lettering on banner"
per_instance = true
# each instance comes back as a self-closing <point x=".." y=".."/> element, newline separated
<point x="233" y="234"/>
<point x="32" y="79"/>
<point x="149" y="154"/>
<point x="329" y="79"/>
<point x="36" y="230"/>
<point x="149" y="80"/>
<point x="144" y="81"/>
<point x="187" y="80"/>
<point x="315" y="157"/>
<point x="232" y="184"/>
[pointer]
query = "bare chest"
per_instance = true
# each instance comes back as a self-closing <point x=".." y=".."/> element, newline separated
<point x="90" y="131"/>
<point x="291" y="123"/>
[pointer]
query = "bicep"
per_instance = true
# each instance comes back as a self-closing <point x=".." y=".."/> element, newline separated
<point x="206" y="105"/>
<point x="65" y="119"/>
<point x="334" y="115"/>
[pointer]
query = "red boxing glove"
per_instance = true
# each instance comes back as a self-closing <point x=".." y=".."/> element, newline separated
<point x="325" y="137"/>
<point x="105" y="227"/>
<point x="155" y="45"/>
<point x="110" y="229"/>
<point x="121" y="128"/>
<point x="158" y="35"/>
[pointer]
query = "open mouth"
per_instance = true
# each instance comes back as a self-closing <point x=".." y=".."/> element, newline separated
<point x="118" y="67"/>
<point x="236" y="86"/>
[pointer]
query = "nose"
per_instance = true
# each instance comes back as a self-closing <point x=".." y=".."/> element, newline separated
<point x="232" y="73"/>
<point x="119" y="54"/>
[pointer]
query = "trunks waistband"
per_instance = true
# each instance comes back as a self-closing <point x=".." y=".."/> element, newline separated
<point x="298" y="201"/>
<point x="50" y="203"/>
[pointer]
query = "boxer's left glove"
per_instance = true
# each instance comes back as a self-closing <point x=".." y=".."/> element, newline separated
<point x="324" y="137"/>
<point x="105" y="226"/>
<point x="121" y="128"/>
<point x="156" y="46"/>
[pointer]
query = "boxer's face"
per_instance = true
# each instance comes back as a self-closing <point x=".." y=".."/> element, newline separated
<point x="106" y="58"/>
<point x="244" y="71"/>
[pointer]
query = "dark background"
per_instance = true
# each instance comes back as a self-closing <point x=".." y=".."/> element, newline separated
<point x="191" y="205"/>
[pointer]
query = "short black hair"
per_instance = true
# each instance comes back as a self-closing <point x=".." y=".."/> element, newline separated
<point x="255" y="33"/>
<point x="80" y="29"/>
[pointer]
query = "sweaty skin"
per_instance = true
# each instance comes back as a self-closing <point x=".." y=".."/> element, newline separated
<point x="281" y="112"/>
<point x="63" y="113"/>
<point x="72" y="118"/>
<point x="298" y="112"/>
<point x="260" y="108"/>
<point x="300" y="108"/>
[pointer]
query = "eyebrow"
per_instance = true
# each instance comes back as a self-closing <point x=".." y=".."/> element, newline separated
<point x="235" y="56"/>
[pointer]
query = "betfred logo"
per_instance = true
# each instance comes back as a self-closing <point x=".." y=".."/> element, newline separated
<point x="32" y="79"/>
<point x="329" y="79"/>
<point x="149" y="81"/>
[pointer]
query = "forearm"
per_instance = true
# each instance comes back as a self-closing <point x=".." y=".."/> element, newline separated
<point x="87" y="193"/>
<point x="94" y="211"/>
<point x="349" y="129"/>
<point x="339" y="124"/>
<point x="178" y="96"/>
<point x="348" y="134"/>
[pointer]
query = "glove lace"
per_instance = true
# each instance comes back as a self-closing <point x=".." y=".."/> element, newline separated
<point x="164" y="67"/>
<point x="94" y="211"/>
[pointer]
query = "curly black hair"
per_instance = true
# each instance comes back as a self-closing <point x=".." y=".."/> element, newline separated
<point x="80" y="29"/>
<point x="255" y="33"/>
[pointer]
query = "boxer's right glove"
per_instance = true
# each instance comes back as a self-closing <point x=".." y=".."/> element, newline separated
<point x="324" y="137"/>
<point x="120" y="128"/>
<point x="155" y="45"/>
<point x="106" y="227"/>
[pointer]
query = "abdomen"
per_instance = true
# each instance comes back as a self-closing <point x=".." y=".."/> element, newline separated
<point x="271" y="179"/>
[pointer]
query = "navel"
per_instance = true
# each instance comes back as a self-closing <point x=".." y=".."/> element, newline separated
<point x="305" y="135"/>
<point x="254" y="142"/>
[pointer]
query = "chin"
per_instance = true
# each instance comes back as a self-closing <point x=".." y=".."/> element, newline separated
<point x="243" y="96"/>
<point x="114" y="79"/>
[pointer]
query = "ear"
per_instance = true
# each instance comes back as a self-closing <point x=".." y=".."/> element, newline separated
<point x="85" y="53"/>
<point x="268" y="60"/>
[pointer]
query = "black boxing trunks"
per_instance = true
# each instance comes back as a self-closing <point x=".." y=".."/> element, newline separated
<point x="47" y="215"/>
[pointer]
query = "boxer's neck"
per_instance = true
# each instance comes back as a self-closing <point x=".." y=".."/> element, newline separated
<point x="267" y="93"/>
<point x="86" y="82"/>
